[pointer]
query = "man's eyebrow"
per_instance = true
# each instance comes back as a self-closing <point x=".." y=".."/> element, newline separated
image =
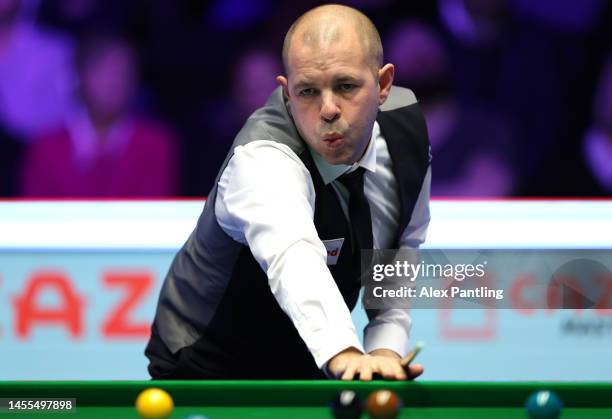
<point x="302" y="83"/>
<point x="345" y="79"/>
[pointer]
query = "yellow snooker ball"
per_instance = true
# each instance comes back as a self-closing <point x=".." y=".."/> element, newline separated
<point x="154" y="403"/>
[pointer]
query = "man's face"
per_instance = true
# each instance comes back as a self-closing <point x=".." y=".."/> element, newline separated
<point x="333" y="97"/>
<point x="109" y="81"/>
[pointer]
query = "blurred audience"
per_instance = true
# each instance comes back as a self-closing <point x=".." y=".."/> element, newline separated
<point x="77" y="18"/>
<point x="251" y="82"/>
<point x="210" y="131"/>
<point x="35" y="73"/>
<point x="546" y="82"/>
<point x="471" y="144"/>
<point x="474" y="22"/>
<point x="534" y="62"/>
<point x="104" y="148"/>
<point x="507" y="88"/>
<point x="475" y="31"/>
<point x="568" y="16"/>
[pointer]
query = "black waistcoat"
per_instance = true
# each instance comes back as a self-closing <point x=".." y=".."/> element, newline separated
<point x="248" y="335"/>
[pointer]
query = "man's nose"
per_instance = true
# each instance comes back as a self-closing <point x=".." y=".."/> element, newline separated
<point x="330" y="111"/>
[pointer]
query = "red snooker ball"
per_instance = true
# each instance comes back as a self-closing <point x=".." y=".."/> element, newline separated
<point x="383" y="404"/>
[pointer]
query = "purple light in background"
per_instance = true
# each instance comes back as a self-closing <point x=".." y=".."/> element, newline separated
<point x="237" y="14"/>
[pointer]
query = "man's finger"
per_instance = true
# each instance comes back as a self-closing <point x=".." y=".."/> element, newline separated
<point x="414" y="371"/>
<point x="387" y="370"/>
<point x="393" y="371"/>
<point x="349" y="372"/>
<point x="365" y="370"/>
<point x="399" y="373"/>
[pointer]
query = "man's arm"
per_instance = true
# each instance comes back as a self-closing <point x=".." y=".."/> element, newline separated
<point x="266" y="200"/>
<point x="388" y="331"/>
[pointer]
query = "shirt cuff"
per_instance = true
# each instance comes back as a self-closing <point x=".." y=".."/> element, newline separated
<point x="387" y="336"/>
<point x="326" y="343"/>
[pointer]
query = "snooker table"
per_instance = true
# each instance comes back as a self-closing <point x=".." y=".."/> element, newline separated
<point x="309" y="399"/>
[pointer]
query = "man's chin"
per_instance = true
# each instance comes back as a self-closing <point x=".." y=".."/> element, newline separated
<point x="337" y="159"/>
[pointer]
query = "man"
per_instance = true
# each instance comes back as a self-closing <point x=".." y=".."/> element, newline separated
<point x="264" y="285"/>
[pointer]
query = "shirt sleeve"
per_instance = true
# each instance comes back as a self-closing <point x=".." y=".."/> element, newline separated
<point x="265" y="199"/>
<point x="390" y="328"/>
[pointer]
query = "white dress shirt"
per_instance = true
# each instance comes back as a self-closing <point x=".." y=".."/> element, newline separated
<point x="266" y="200"/>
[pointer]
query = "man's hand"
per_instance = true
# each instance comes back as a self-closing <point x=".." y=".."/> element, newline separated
<point x="411" y="371"/>
<point x="386" y="363"/>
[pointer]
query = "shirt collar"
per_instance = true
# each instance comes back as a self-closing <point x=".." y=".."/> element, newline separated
<point x="330" y="172"/>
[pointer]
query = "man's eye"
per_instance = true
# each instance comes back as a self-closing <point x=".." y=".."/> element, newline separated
<point x="346" y="87"/>
<point x="307" y="92"/>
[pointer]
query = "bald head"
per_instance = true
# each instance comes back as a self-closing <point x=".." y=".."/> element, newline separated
<point x="324" y="25"/>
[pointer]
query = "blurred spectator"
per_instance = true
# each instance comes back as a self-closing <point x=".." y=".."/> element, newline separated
<point x="476" y="34"/>
<point x="35" y="76"/>
<point x="253" y="80"/>
<point x="533" y="61"/>
<point x="546" y="82"/>
<point x="211" y="130"/>
<point x="474" y="22"/>
<point x="471" y="144"/>
<point x="104" y="149"/>
<point x="597" y="145"/>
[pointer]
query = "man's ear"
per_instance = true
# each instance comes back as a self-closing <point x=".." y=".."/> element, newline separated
<point x="385" y="81"/>
<point x="282" y="80"/>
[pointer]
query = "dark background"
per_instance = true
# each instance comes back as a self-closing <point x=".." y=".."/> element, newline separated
<point x="517" y="94"/>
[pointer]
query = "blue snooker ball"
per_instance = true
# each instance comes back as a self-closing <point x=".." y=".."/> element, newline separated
<point x="544" y="405"/>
